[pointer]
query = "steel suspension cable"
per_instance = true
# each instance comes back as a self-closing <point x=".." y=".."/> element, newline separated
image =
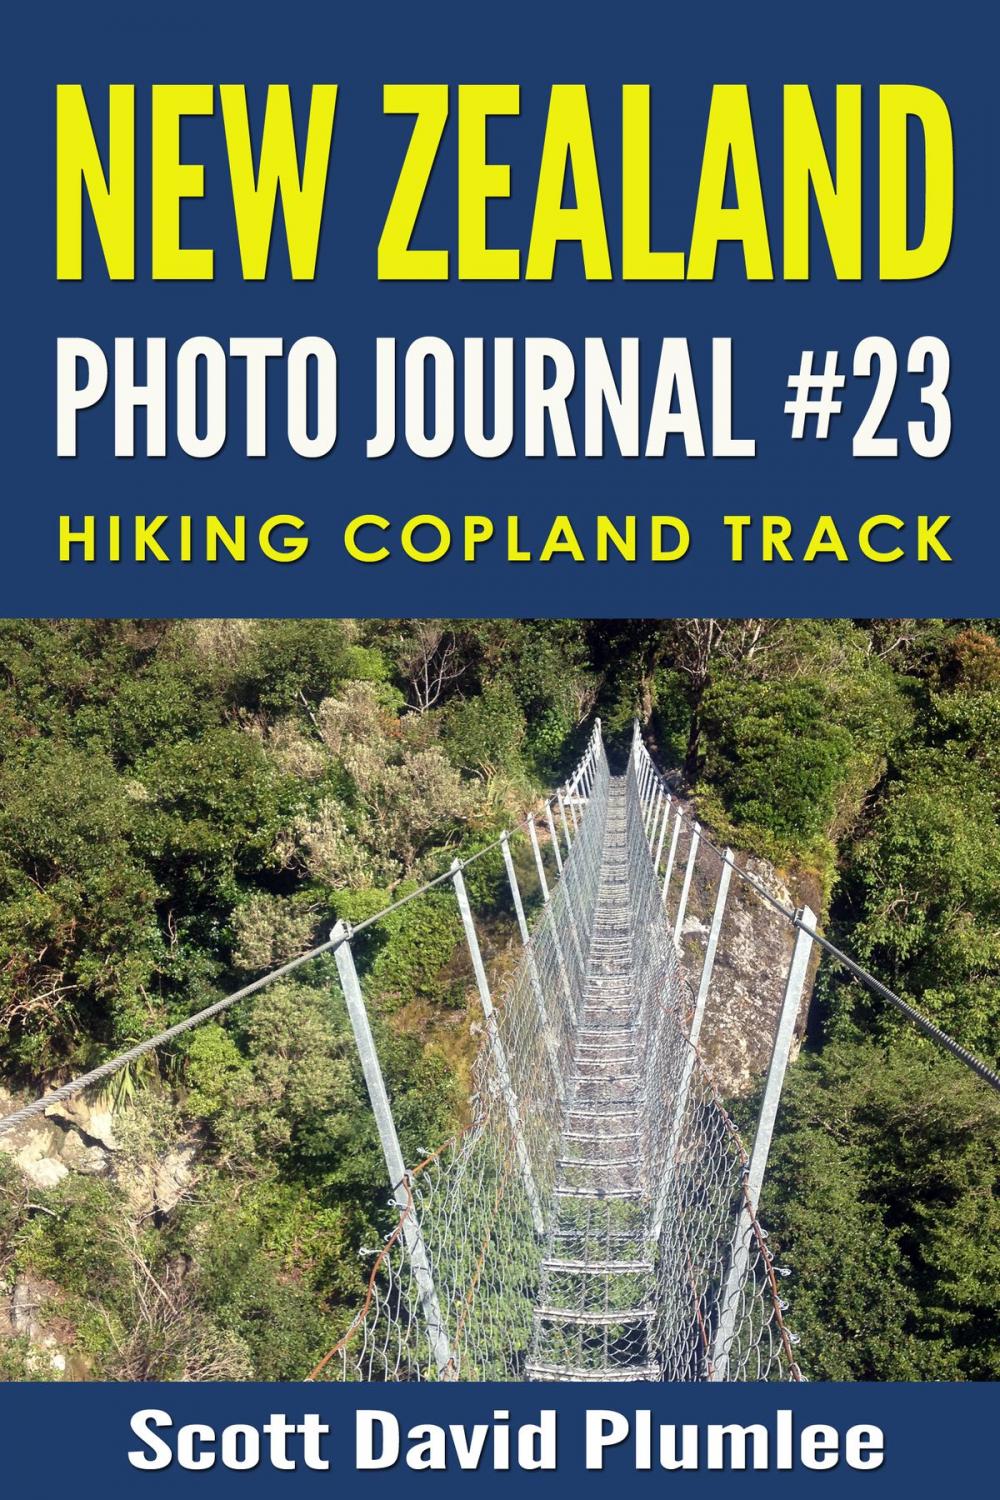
<point x="115" y="1064"/>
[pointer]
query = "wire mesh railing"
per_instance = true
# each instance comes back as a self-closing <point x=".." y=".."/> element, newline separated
<point x="479" y="1205"/>
<point x="592" y="1223"/>
<point x="717" y="1314"/>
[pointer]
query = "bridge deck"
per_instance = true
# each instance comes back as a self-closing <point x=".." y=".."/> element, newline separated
<point x="596" y="1297"/>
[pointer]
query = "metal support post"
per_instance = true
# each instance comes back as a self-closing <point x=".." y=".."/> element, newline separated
<point x="437" y="1336"/>
<point x="536" y="983"/>
<point x="515" y="889"/>
<point x="656" y="816"/>
<point x="496" y="1046"/>
<point x="539" y="866"/>
<point x="552" y="836"/>
<point x="544" y="885"/>
<point x="680" y="1102"/>
<point x="566" y="887"/>
<point x="563" y="971"/>
<point x="663" y="828"/>
<point x="672" y="855"/>
<point x="565" y="825"/>
<point x="792" y="999"/>
<point x="596" y="750"/>
<point x="711" y="948"/>
<point x="788" y="1015"/>
<point x="655" y="795"/>
<point x="643" y="768"/>
<point x="686" y="887"/>
<point x="650" y="827"/>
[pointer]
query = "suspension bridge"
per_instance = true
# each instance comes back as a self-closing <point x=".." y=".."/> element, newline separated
<point x="596" y="1220"/>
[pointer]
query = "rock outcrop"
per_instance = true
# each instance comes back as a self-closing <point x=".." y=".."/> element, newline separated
<point x="77" y="1137"/>
<point x="73" y="1137"/>
<point x="751" y="963"/>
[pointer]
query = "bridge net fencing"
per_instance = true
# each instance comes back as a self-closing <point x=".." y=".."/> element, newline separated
<point x="477" y="1201"/>
<point x="592" y="1220"/>
<point x="717" y="1312"/>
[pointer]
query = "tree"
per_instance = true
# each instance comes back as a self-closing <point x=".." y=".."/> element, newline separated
<point x="774" y="755"/>
<point x="431" y="661"/>
<point x="927" y="879"/>
<point x="80" y="946"/>
<point x="882" y="1194"/>
<point x="698" y="646"/>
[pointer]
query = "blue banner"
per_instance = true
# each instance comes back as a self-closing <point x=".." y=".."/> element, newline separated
<point x="239" y="1440"/>
<point x="821" y="401"/>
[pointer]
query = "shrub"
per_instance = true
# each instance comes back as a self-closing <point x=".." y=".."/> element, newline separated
<point x="774" y="755"/>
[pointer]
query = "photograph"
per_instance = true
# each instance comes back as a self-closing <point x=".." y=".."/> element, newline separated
<point x="509" y="1000"/>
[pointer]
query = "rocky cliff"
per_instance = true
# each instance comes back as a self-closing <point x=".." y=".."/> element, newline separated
<point x="752" y="960"/>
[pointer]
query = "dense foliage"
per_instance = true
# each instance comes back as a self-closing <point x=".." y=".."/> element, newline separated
<point x="184" y="804"/>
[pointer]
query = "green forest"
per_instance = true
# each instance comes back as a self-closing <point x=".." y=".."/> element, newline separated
<point x="185" y="804"/>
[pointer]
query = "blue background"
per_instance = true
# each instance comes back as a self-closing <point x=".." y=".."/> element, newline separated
<point x="938" y="1438"/>
<point x="681" y="51"/>
<point x="936" y="1435"/>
